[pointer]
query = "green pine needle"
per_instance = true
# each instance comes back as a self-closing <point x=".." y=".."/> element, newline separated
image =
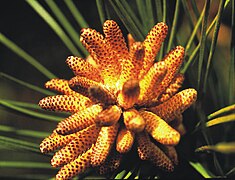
<point x="159" y="10"/>
<point x="76" y="14"/>
<point x="101" y="11"/>
<point x="150" y="17"/>
<point x="213" y="44"/>
<point x="174" y="25"/>
<point x="194" y="32"/>
<point x="160" y="56"/>
<point x="28" y="58"/>
<point x="203" y="44"/>
<point x="54" y="25"/>
<point x="204" y="172"/>
<point x="26" y="85"/>
<point x="121" y="175"/>
<point x="222" y="147"/>
<point x="25" y="164"/>
<point x="23" y="132"/>
<point x="30" y="112"/>
<point x="22" y="104"/>
<point x="220" y="120"/>
<point x="142" y="13"/>
<point x="231" y="90"/>
<point x="66" y="25"/>
<point x="19" y="144"/>
<point x="127" y="20"/>
<point x="195" y="51"/>
<point x="221" y="111"/>
<point x="133" y="16"/>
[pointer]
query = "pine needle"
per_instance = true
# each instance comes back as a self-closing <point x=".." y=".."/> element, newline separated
<point x="76" y="14"/>
<point x="174" y="25"/>
<point x="19" y="144"/>
<point x="54" y="25"/>
<point x="30" y="112"/>
<point x="203" y="44"/>
<point x="101" y="11"/>
<point x="23" y="132"/>
<point x="222" y="147"/>
<point x="66" y="25"/>
<point x="213" y="44"/>
<point x="25" y="165"/>
<point x="204" y="172"/>
<point x="232" y="59"/>
<point x="26" y="85"/>
<point x="220" y="120"/>
<point x="221" y="111"/>
<point x="28" y="58"/>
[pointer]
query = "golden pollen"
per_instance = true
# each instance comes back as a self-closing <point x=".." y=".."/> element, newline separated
<point x="118" y="98"/>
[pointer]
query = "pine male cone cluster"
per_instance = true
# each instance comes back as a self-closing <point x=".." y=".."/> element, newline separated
<point x="119" y="95"/>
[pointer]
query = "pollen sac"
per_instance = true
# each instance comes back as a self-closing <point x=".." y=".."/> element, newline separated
<point x="131" y="65"/>
<point x="103" y="145"/>
<point x="172" y="89"/>
<point x="67" y="103"/>
<point x="175" y="105"/>
<point x="103" y="55"/>
<point x="170" y="151"/>
<point x="128" y="72"/>
<point x="55" y="141"/>
<point x="81" y="67"/>
<point x="79" y="120"/>
<point x="136" y="56"/>
<point x="159" y="129"/>
<point x="129" y="94"/>
<point x="101" y="94"/>
<point x="143" y="147"/>
<point x="152" y="44"/>
<point x="149" y="151"/>
<point x="95" y="44"/>
<point x="111" y="163"/>
<point x="133" y="120"/>
<point x="160" y="159"/>
<point x="82" y="84"/>
<point x="115" y="39"/>
<point x="125" y="140"/>
<point x="61" y="85"/>
<point x="149" y="83"/>
<point x="108" y="116"/>
<point x="75" y="167"/>
<point x="82" y="142"/>
<point x="173" y="60"/>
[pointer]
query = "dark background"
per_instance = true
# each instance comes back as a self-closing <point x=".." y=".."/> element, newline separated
<point x="21" y="24"/>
